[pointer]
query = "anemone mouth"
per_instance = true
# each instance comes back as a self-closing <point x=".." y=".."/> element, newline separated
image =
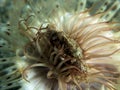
<point x="63" y="57"/>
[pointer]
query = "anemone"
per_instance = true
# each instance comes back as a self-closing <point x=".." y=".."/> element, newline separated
<point x="60" y="45"/>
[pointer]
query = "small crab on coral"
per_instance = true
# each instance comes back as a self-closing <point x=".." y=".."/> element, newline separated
<point x="67" y="45"/>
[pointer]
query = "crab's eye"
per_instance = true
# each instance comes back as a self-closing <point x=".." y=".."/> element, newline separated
<point x="54" y="36"/>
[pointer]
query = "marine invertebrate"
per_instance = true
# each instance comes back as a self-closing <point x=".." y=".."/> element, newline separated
<point x="72" y="48"/>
